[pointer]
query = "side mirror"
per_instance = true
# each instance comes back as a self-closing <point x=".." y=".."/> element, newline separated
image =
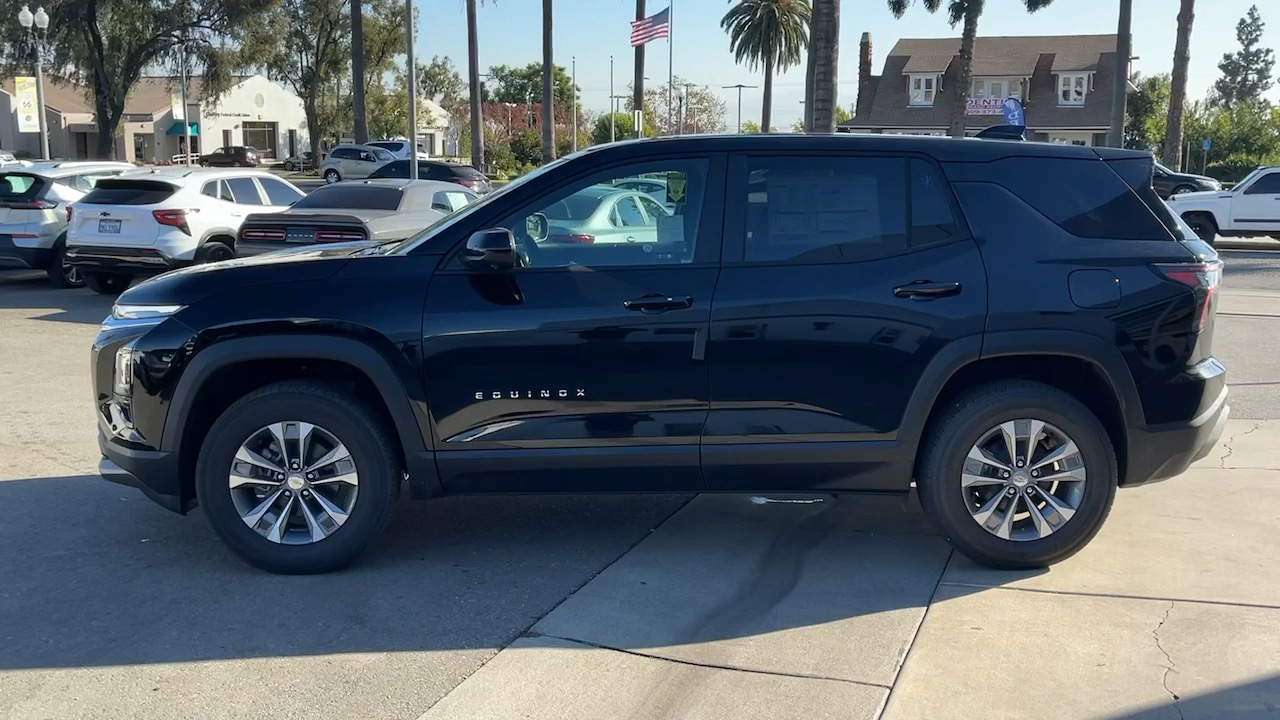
<point x="537" y="227"/>
<point x="492" y="250"/>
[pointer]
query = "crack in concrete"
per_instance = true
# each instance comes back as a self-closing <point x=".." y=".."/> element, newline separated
<point x="1222" y="462"/>
<point x="1168" y="668"/>
<point x="707" y="665"/>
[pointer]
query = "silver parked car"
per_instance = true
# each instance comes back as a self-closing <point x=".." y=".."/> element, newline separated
<point x="353" y="162"/>
<point x="35" y="205"/>
<point x="604" y="214"/>
<point x="373" y="211"/>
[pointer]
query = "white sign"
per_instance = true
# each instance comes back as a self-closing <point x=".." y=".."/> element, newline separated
<point x="28" y="105"/>
<point x="985" y="106"/>
<point x="176" y="107"/>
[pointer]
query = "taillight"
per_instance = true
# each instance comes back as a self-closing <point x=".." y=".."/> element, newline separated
<point x="1203" y="278"/>
<point x="473" y="183"/>
<point x="332" y="236"/>
<point x="174" y="218"/>
<point x="263" y="234"/>
<point x="30" y="205"/>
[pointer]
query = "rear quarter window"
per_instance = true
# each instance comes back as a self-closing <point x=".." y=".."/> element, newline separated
<point x="112" y="191"/>
<point x="19" y="185"/>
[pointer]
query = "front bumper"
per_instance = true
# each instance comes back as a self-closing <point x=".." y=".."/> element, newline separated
<point x="153" y="472"/>
<point x="14" y="256"/>
<point x="1166" y="451"/>
<point x="130" y="260"/>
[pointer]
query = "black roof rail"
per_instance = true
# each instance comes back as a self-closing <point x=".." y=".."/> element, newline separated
<point x="1004" y="132"/>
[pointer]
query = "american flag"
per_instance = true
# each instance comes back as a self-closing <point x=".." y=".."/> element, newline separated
<point x="653" y="27"/>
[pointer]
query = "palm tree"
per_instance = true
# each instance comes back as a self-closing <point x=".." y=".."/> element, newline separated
<point x="967" y="12"/>
<point x="473" y="79"/>
<point x="358" y="106"/>
<point x="824" y="59"/>
<point x="548" y="88"/>
<point x="772" y="33"/>
<point x="1172" y="155"/>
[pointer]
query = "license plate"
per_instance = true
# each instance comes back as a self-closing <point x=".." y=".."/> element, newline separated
<point x="109" y="227"/>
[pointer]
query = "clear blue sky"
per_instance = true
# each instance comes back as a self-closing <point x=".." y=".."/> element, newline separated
<point x="592" y="30"/>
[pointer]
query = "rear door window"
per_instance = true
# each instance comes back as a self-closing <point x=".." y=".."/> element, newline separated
<point x="279" y="193"/>
<point x="117" y="191"/>
<point x="244" y="190"/>
<point x="933" y="218"/>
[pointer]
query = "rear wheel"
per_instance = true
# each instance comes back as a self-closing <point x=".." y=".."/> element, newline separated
<point x="289" y="166"/>
<point x="298" y="477"/>
<point x="1017" y="475"/>
<point x="107" y="283"/>
<point x="61" y="273"/>
<point x="1203" y="226"/>
<point x="215" y="251"/>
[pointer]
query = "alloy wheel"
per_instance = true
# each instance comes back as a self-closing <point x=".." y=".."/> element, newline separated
<point x="1023" y="480"/>
<point x="71" y="274"/>
<point x="293" y="482"/>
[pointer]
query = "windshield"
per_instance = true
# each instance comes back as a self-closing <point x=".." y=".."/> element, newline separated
<point x="449" y="221"/>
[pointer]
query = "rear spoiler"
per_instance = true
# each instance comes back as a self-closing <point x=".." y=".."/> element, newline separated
<point x="1003" y="132"/>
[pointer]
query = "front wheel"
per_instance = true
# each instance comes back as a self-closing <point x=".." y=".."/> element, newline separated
<point x="107" y="283"/>
<point x="331" y="176"/>
<point x="298" y="477"/>
<point x="1017" y="475"/>
<point x="289" y="167"/>
<point x="1183" y="190"/>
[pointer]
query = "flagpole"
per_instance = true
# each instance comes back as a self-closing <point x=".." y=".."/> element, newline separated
<point x="574" y="60"/>
<point x="613" y="113"/>
<point x="671" y="54"/>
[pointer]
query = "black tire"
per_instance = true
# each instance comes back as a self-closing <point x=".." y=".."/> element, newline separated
<point x="1203" y="225"/>
<point x="332" y="176"/>
<point x="288" y="166"/>
<point x="60" y="274"/>
<point x="107" y="283"/>
<point x="355" y="425"/>
<point x="961" y="424"/>
<point x="215" y="251"/>
<point x="1181" y="189"/>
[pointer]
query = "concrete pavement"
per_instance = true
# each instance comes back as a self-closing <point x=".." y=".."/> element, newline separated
<point x="625" y="607"/>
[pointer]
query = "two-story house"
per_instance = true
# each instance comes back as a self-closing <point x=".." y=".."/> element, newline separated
<point x="1063" y="81"/>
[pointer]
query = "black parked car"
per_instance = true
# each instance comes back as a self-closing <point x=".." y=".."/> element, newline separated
<point x="232" y="156"/>
<point x="1017" y="327"/>
<point x="1169" y="183"/>
<point x="464" y="175"/>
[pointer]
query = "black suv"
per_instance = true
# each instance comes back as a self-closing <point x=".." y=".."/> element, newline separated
<point x="1016" y="328"/>
<point x="464" y="175"/>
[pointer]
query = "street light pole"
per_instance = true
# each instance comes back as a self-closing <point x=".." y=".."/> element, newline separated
<point x="38" y="35"/>
<point x="1124" y="53"/>
<point x="613" y="116"/>
<point x="413" y="92"/>
<point x="574" y="79"/>
<point x="740" y="87"/>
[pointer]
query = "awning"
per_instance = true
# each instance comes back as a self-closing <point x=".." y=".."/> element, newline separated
<point x="177" y="129"/>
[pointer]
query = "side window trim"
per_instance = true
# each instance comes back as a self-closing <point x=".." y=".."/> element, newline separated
<point x="711" y="227"/>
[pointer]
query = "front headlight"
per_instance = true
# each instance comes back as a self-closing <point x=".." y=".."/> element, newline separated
<point x="143" y="312"/>
<point x="122" y="374"/>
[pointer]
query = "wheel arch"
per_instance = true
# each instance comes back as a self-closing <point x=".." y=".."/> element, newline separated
<point x="1082" y="365"/>
<point x="221" y="373"/>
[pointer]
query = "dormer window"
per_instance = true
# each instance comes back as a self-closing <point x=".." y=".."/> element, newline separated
<point x="924" y="88"/>
<point x="1073" y="87"/>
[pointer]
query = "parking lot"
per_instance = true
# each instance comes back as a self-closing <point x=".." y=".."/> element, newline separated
<point x="714" y="606"/>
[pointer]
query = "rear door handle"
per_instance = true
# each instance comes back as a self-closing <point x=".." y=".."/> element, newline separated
<point x="924" y="289"/>
<point x="658" y="302"/>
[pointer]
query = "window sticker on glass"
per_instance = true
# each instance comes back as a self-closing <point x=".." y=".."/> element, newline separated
<point x="676" y="184"/>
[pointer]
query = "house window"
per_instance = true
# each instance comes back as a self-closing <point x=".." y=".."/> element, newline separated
<point x="997" y="88"/>
<point x="923" y="89"/>
<point x="1072" y="88"/>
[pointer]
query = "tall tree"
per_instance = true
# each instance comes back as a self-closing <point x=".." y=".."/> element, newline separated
<point x="511" y="84"/>
<point x="958" y="12"/>
<point x="703" y="110"/>
<point x="305" y="45"/>
<point x="768" y="33"/>
<point x="824" y="60"/>
<point x="1172" y="154"/>
<point x="1246" y="73"/>
<point x="548" y="87"/>
<point x="108" y="44"/>
<point x="358" y="80"/>
<point x="1147" y="115"/>
<point x="473" y="79"/>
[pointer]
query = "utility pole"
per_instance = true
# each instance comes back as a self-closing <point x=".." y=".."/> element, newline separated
<point x="574" y="79"/>
<point x="740" y="87"/>
<point x="413" y="91"/>
<point x="637" y="88"/>
<point x="613" y="116"/>
<point x="684" y="107"/>
<point x="612" y="119"/>
<point x="1124" y="53"/>
<point x="473" y="72"/>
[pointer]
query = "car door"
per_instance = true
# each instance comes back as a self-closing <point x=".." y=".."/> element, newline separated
<point x="584" y="369"/>
<point x="245" y="199"/>
<point x="844" y="278"/>
<point x="1256" y="208"/>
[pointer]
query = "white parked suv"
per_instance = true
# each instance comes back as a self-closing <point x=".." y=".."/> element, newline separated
<point x="151" y="221"/>
<point x="1250" y="209"/>
<point x="34" y="198"/>
<point x="400" y="148"/>
<point x="353" y="162"/>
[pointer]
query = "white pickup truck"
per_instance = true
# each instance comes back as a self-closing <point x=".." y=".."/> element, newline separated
<point x="1250" y="209"/>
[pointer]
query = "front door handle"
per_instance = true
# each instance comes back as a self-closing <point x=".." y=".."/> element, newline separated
<point x="925" y="289"/>
<point x="658" y="302"/>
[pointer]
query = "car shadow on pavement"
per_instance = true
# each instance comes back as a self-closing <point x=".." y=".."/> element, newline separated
<point x="31" y="290"/>
<point x="97" y="575"/>
<point x="1247" y="701"/>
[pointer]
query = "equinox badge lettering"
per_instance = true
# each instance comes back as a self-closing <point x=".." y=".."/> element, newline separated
<point x="530" y="394"/>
